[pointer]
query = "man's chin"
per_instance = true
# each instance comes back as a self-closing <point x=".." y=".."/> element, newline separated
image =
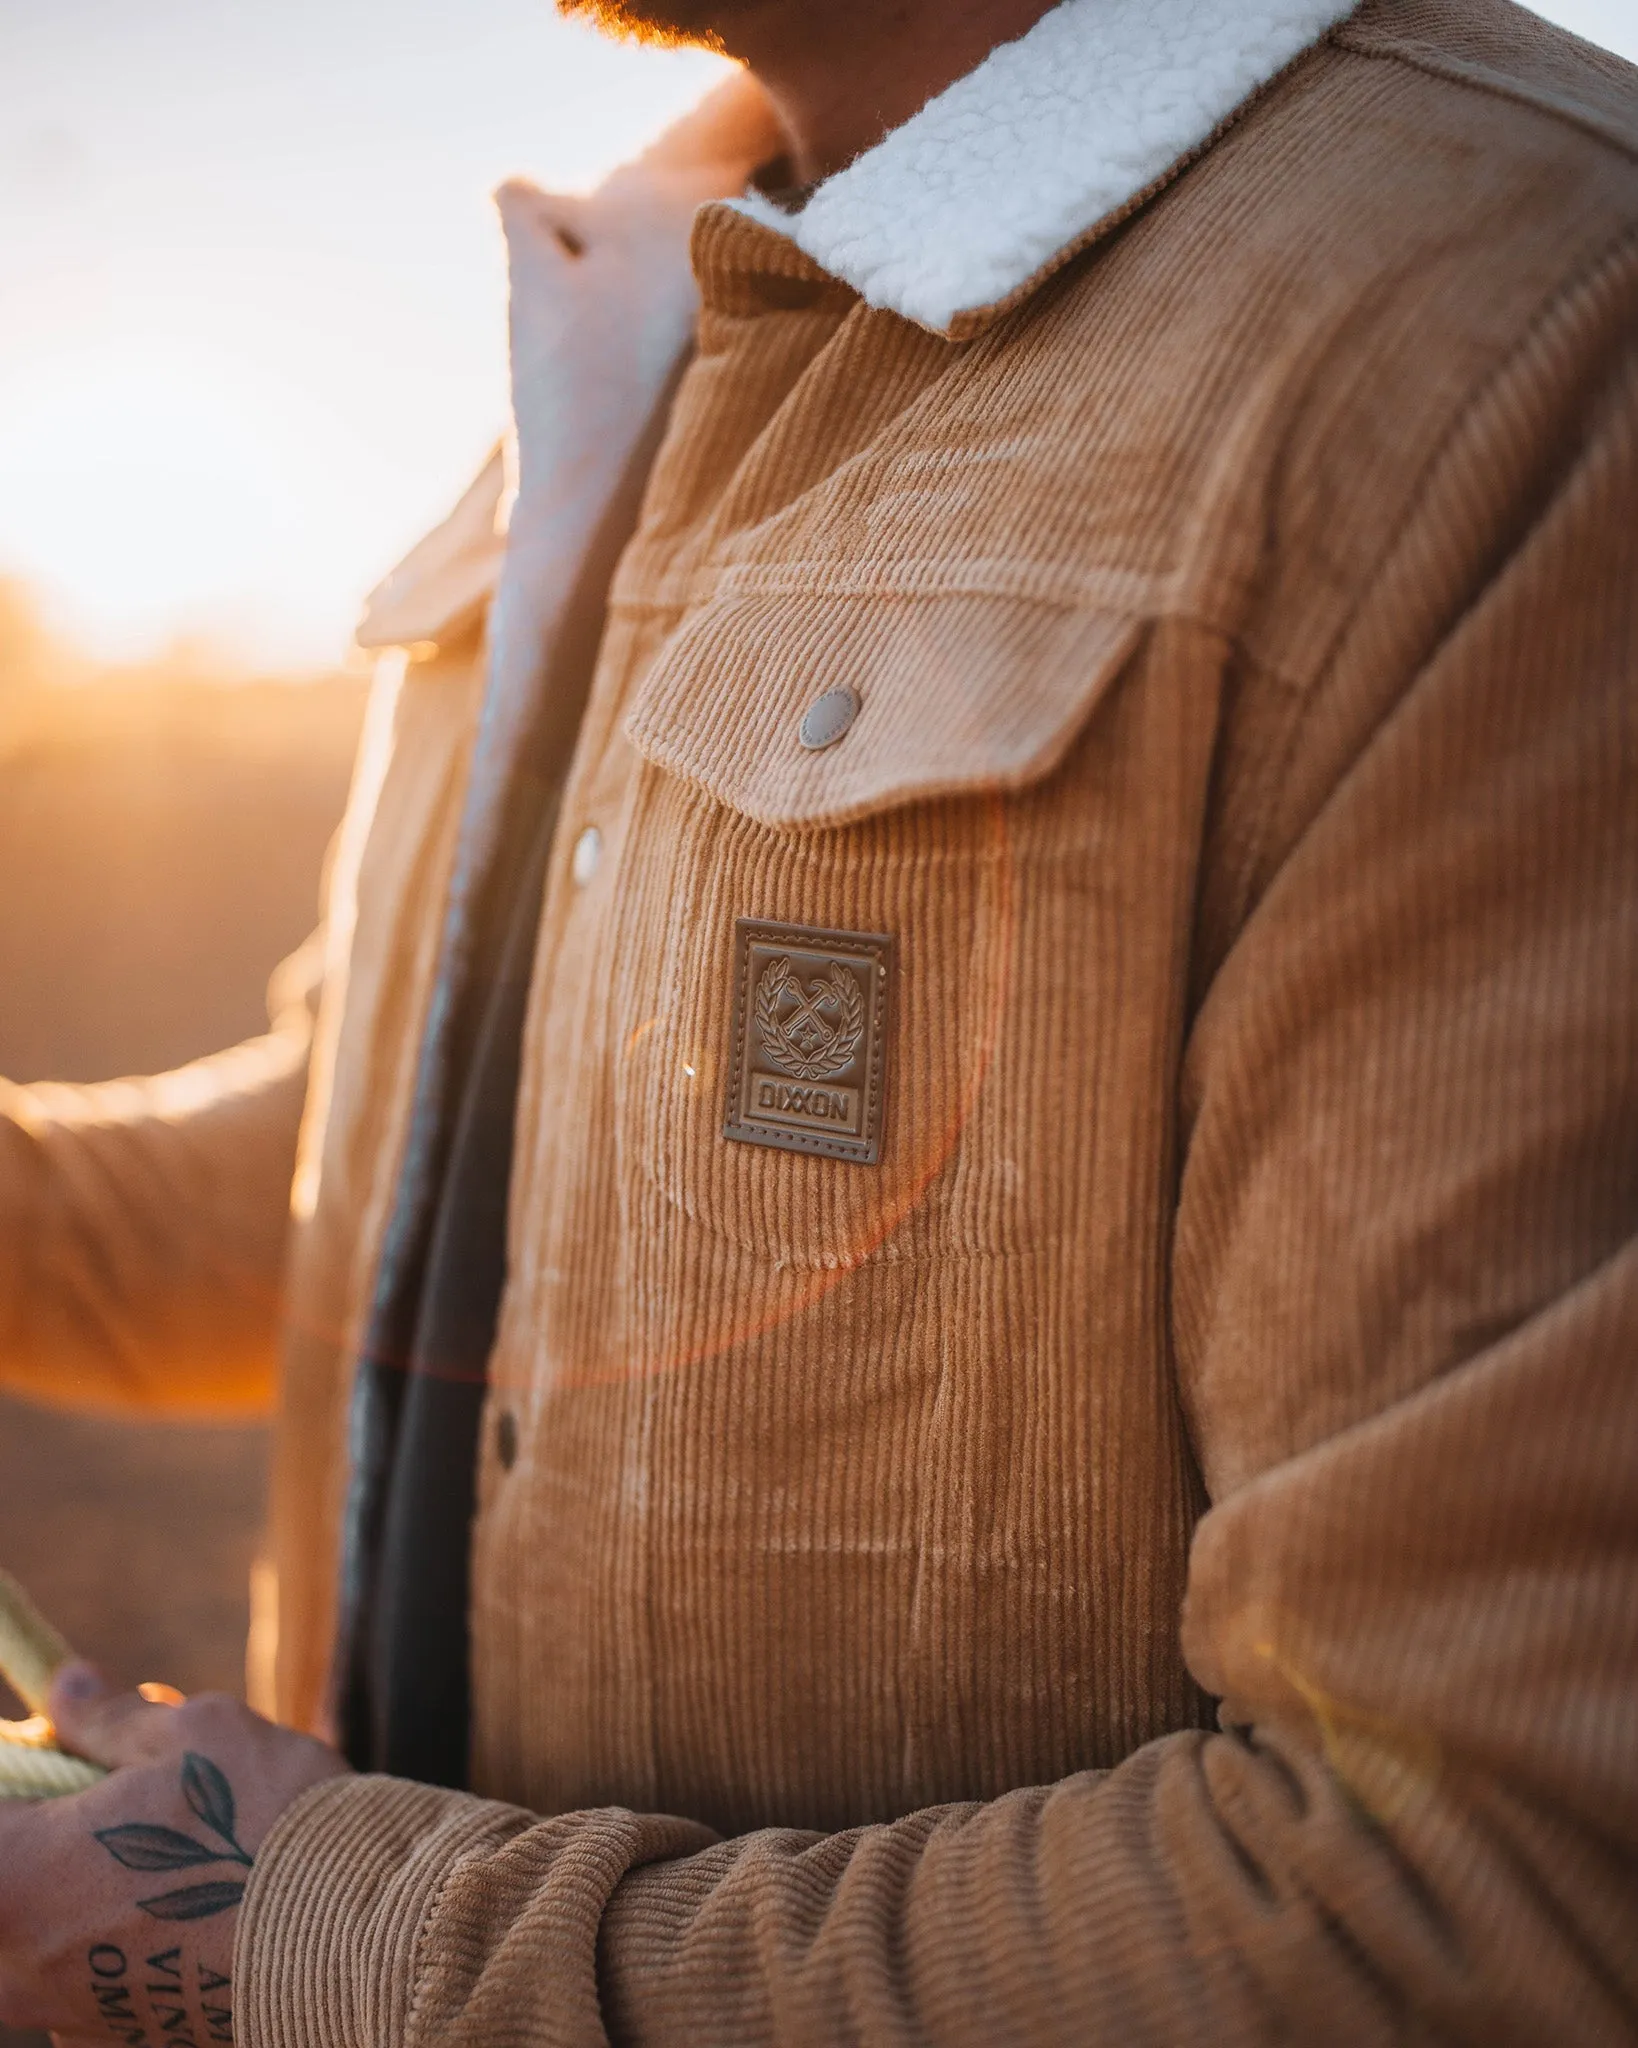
<point x="664" y="22"/>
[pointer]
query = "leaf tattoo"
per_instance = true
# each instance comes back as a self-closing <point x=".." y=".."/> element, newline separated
<point x="142" y="1845"/>
<point x="194" y="1901"/>
<point x="210" y="1795"/>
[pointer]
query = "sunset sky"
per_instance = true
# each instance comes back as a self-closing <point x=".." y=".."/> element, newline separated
<point x="251" y="296"/>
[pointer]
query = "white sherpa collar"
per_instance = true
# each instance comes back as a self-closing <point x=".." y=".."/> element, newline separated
<point x="1051" y="134"/>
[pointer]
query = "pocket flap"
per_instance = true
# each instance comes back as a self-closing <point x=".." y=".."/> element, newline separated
<point x="956" y="693"/>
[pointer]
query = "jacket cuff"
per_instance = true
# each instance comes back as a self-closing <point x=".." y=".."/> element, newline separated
<point x="326" y="1955"/>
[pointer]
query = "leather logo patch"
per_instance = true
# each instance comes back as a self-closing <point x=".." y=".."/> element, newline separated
<point x="807" y="1070"/>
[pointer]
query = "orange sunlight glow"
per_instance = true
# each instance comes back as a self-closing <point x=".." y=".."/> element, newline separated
<point x="154" y="488"/>
<point x="252" y="313"/>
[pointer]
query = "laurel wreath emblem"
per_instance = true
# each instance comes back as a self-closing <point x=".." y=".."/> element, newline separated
<point x="821" y="1034"/>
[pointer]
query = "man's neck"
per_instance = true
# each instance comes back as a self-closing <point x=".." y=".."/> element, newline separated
<point x="843" y="73"/>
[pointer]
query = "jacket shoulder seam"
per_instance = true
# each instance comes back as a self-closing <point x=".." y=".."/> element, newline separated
<point x="1435" y="63"/>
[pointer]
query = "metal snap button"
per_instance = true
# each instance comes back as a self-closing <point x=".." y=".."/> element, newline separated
<point x="506" y="1439"/>
<point x="827" y="718"/>
<point x="588" y="851"/>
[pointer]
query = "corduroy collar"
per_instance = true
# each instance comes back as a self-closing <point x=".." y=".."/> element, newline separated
<point x="967" y="204"/>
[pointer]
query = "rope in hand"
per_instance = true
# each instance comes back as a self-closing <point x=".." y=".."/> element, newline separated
<point x="31" y="1651"/>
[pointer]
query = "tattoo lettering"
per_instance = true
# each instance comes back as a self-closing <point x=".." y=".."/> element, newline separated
<point x="113" y="1995"/>
<point x="187" y="2006"/>
<point x="141" y="1846"/>
<point x="213" y="1986"/>
<point x="168" y="2000"/>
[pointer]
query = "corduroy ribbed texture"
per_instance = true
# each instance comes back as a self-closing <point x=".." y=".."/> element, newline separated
<point x="388" y="1848"/>
<point x="377" y="1863"/>
<point x="1245" y="633"/>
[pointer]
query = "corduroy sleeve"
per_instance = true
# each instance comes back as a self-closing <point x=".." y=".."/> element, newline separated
<point x="144" y="1225"/>
<point x="1405" y="1288"/>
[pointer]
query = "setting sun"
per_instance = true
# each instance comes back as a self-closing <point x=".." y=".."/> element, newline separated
<point x="154" y="489"/>
<point x="252" y="316"/>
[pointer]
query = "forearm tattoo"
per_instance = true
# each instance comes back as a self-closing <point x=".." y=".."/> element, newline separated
<point x="171" y="1999"/>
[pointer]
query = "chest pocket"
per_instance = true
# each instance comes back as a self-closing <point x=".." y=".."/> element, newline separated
<point x="964" y="814"/>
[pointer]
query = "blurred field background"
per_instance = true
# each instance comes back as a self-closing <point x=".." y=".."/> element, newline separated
<point x="162" y="831"/>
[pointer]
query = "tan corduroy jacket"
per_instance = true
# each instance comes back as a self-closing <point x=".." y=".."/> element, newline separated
<point x="1154" y="1556"/>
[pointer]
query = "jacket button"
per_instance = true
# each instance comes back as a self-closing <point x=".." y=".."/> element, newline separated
<point x="827" y="718"/>
<point x="588" y="851"/>
<point x="506" y="1439"/>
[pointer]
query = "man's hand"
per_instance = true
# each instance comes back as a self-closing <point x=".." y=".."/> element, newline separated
<point x="118" y="1907"/>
